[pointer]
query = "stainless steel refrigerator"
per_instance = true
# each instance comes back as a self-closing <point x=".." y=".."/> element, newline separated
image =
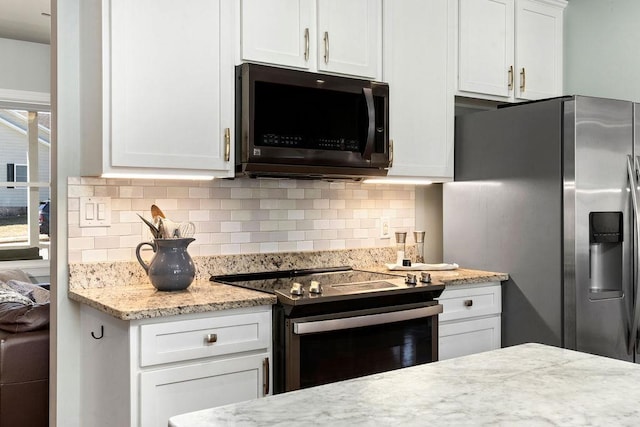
<point x="546" y="191"/>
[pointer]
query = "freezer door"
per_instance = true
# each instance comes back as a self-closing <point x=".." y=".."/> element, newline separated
<point x="598" y="227"/>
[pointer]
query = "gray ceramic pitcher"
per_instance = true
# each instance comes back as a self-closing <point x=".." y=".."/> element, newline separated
<point x="171" y="268"/>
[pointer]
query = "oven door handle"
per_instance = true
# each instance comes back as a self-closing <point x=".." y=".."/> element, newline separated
<point x="303" y="328"/>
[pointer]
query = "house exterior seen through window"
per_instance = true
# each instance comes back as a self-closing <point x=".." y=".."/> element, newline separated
<point x="25" y="152"/>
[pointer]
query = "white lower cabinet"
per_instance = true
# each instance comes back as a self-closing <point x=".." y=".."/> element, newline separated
<point x="142" y="372"/>
<point x="470" y="321"/>
<point x="167" y="392"/>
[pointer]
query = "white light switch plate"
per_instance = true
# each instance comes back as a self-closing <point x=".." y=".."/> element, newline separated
<point x="95" y="211"/>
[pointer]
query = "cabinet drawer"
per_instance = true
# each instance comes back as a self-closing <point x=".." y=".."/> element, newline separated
<point x="197" y="338"/>
<point x="464" y="303"/>
<point x="468" y="337"/>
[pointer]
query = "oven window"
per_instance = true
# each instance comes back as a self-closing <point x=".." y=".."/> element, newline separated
<point x="339" y="355"/>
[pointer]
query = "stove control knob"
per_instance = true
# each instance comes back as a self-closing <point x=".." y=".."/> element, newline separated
<point x="425" y="277"/>
<point x="315" y="287"/>
<point x="411" y="279"/>
<point x="297" y="289"/>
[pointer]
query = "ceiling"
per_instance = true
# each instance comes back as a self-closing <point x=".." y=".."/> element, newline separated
<point x="23" y="20"/>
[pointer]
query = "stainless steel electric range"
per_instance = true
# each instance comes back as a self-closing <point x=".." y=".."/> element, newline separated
<point x="338" y="323"/>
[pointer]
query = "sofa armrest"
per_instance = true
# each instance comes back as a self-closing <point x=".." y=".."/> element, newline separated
<point x="24" y="356"/>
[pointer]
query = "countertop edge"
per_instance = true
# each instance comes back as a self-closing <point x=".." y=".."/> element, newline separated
<point x="246" y="298"/>
<point x="108" y="299"/>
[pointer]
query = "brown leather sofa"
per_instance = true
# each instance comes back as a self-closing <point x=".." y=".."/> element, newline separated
<point x="24" y="360"/>
<point x="24" y="378"/>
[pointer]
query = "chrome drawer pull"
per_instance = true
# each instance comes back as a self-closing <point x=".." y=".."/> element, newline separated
<point x="468" y="303"/>
<point x="211" y="338"/>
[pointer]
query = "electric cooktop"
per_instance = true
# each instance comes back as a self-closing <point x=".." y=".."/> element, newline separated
<point x="295" y="287"/>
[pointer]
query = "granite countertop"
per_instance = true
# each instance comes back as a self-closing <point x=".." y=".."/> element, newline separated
<point x="459" y="276"/>
<point x="529" y="384"/>
<point x="141" y="301"/>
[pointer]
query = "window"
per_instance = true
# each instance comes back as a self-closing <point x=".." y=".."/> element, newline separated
<point x="16" y="173"/>
<point x="25" y="148"/>
<point x="20" y="173"/>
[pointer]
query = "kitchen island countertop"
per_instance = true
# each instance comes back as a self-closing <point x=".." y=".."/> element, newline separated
<point x="529" y="384"/>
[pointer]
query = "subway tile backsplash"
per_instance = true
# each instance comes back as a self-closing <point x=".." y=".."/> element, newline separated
<point x="240" y="216"/>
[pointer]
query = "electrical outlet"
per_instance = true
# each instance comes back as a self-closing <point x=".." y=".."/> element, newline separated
<point x="385" y="230"/>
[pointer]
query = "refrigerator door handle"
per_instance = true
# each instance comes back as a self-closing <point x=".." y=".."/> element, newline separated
<point x="632" y="168"/>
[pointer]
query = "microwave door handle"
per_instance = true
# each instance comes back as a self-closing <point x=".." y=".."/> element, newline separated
<point x="371" y="130"/>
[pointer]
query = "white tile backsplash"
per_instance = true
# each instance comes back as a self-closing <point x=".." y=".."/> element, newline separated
<point x="240" y="216"/>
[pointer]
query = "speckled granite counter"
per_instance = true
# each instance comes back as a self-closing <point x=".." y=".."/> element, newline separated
<point x="123" y="290"/>
<point x="459" y="276"/>
<point x="529" y="384"/>
<point x="141" y="301"/>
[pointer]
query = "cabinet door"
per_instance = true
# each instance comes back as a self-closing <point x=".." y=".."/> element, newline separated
<point x="418" y="65"/>
<point x="538" y="50"/>
<point x="172" y="391"/>
<point x="170" y="81"/>
<point x="485" y="57"/>
<point x="279" y="32"/>
<point x="349" y="37"/>
<point x="468" y="337"/>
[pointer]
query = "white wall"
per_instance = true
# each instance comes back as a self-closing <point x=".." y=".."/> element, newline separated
<point x="65" y="316"/>
<point x="601" y="48"/>
<point x="429" y="219"/>
<point x="29" y="68"/>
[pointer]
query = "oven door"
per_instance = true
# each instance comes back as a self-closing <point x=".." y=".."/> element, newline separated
<point x="328" y="348"/>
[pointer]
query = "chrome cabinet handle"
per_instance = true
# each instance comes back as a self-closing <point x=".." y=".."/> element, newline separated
<point x="326" y="47"/>
<point x="306" y="44"/>
<point x="468" y="303"/>
<point x="510" y="80"/>
<point x="522" y="79"/>
<point x="212" y="338"/>
<point x="391" y="153"/>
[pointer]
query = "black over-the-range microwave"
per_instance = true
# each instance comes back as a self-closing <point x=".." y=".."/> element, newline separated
<point x="300" y="124"/>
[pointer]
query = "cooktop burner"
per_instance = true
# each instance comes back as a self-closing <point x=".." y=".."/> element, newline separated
<point x="295" y="287"/>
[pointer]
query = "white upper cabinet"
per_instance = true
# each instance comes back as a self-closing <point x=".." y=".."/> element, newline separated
<point x="538" y="49"/>
<point x="349" y="36"/>
<point x="419" y="39"/>
<point x="279" y="32"/>
<point x="159" y="95"/>
<point x="486" y="46"/>
<point x="340" y="37"/>
<point x="510" y="49"/>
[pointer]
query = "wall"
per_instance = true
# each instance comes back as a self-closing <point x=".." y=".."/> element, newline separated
<point x="30" y="68"/>
<point x="65" y="161"/>
<point x="241" y="216"/>
<point x="601" y="44"/>
<point x="429" y="219"/>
